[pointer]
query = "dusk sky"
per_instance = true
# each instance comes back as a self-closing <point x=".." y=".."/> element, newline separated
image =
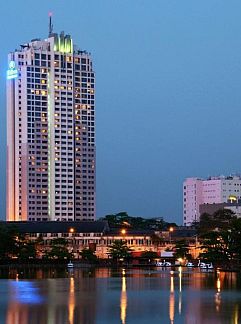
<point x="168" y="92"/>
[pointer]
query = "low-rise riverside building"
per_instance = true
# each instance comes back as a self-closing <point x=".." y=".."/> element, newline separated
<point x="98" y="236"/>
<point x="79" y="235"/>
<point x="137" y="241"/>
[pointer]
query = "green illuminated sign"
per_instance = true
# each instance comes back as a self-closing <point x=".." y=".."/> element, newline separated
<point x="12" y="72"/>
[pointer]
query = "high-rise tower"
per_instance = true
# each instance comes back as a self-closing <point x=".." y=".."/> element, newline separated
<point x="50" y="131"/>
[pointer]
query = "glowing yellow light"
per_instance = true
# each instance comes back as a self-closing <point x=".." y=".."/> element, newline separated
<point x="232" y="198"/>
<point x="218" y="285"/>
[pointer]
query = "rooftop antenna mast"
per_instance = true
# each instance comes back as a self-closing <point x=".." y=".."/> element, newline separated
<point x="50" y="24"/>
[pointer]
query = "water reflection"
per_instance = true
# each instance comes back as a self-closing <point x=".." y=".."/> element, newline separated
<point x="24" y="294"/>
<point x="180" y="291"/>
<point x="119" y="296"/>
<point x="71" y="301"/>
<point x="236" y="314"/>
<point x="172" y="300"/>
<point x="123" y="299"/>
<point x="218" y="293"/>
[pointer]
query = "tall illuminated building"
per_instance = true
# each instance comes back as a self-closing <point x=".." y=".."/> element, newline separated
<point x="50" y="131"/>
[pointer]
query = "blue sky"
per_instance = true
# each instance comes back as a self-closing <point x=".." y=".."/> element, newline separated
<point x="168" y="92"/>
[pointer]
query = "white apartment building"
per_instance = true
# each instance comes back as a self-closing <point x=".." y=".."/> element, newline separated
<point x="213" y="190"/>
<point x="50" y="131"/>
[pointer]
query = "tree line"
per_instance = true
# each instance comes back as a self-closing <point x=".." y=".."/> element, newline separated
<point x="122" y="219"/>
<point x="219" y="237"/>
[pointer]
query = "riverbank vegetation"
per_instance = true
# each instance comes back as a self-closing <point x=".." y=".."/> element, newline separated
<point x="220" y="235"/>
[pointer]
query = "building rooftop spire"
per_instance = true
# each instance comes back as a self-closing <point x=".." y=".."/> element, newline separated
<point x="50" y="24"/>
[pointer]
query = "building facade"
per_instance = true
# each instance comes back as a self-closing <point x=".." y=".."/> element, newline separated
<point x="98" y="236"/>
<point x="233" y="205"/>
<point x="214" y="190"/>
<point x="50" y="131"/>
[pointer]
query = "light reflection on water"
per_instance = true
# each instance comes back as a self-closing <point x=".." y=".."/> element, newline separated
<point x="24" y="292"/>
<point x="123" y="299"/>
<point x="118" y="296"/>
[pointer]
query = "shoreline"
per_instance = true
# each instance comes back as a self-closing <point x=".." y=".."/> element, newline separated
<point x="80" y="265"/>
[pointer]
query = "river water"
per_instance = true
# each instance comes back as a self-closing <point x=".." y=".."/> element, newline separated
<point x="107" y="296"/>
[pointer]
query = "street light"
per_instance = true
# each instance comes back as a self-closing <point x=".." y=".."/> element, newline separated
<point x="72" y="230"/>
<point x="123" y="233"/>
<point x="171" y="229"/>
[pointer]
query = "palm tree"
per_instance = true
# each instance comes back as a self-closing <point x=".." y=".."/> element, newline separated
<point x="119" y="250"/>
<point x="59" y="250"/>
<point x="182" y="250"/>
